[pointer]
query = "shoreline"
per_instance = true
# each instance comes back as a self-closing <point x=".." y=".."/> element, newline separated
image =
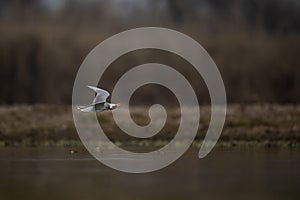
<point x="257" y="125"/>
<point x="155" y="144"/>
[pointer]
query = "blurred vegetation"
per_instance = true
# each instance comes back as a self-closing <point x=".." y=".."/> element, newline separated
<point x="247" y="125"/>
<point x="255" y="44"/>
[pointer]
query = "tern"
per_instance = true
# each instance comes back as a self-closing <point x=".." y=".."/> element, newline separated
<point x="99" y="103"/>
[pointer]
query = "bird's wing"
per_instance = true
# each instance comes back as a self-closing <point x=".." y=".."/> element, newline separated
<point x="101" y="95"/>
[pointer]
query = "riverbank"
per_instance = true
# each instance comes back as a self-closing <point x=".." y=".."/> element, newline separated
<point x="246" y="125"/>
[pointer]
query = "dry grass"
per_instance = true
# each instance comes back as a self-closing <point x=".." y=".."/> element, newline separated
<point x="53" y="125"/>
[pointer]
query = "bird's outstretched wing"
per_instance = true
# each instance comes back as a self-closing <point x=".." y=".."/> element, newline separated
<point x="101" y="95"/>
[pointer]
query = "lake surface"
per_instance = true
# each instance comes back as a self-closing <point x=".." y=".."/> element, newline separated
<point x="53" y="173"/>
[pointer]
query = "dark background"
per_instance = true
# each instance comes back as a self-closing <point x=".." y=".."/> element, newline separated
<point x="255" y="44"/>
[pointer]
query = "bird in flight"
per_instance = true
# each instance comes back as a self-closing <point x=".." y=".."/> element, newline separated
<point x="99" y="103"/>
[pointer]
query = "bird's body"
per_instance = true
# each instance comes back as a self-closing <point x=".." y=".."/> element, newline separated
<point x="99" y="103"/>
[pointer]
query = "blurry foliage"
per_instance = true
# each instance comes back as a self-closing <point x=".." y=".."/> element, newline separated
<point x="29" y="125"/>
<point x="255" y="44"/>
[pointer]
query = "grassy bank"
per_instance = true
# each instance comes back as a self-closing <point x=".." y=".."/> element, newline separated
<point x="246" y="125"/>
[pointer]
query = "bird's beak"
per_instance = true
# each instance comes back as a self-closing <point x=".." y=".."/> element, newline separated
<point x="118" y="105"/>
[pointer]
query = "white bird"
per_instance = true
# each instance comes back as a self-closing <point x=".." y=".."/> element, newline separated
<point x="99" y="103"/>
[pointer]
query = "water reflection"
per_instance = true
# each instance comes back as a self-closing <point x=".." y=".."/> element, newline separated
<point x="53" y="173"/>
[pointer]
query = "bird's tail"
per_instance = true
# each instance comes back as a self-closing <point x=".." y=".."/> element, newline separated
<point x="86" y="108"/>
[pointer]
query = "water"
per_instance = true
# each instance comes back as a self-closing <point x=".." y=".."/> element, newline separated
<point x="53" y="173"/>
